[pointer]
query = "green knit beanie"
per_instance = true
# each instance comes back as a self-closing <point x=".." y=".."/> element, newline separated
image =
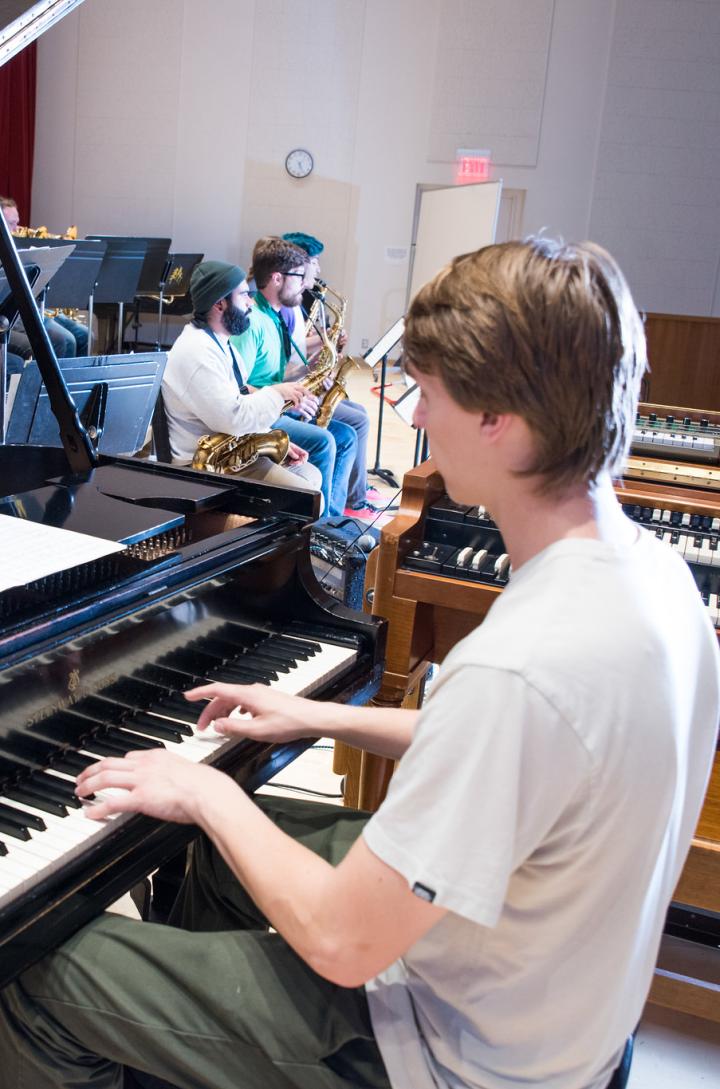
<point x="212" y="281"/>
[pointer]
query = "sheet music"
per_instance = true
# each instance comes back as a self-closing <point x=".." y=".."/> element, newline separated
<point x="32" y="551"/>
<point x="386" y="343"/>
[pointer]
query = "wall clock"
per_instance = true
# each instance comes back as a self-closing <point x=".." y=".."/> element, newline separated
<point x="299" y="163"/>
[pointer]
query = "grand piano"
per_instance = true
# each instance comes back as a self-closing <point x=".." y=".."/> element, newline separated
<point x="212" y="581"/>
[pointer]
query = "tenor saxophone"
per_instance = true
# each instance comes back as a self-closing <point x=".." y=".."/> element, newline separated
<point x="221" y="453"/>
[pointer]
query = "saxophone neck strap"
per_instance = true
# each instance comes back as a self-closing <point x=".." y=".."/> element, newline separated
<point x="233" y="359"/>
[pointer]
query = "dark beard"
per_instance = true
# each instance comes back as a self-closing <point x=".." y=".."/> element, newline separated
<point x="235" y="321"/>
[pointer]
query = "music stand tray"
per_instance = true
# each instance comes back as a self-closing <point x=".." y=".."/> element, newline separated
<point x="131" y="385"/>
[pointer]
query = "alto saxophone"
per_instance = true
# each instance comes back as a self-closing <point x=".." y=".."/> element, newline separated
<point x="221" y="453"/>
<point x="337" y="392"/>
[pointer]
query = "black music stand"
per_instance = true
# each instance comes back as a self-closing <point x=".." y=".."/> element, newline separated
<point x="174" y="295"/>
<point x="152" y="273"/>
<point x="379" y="354"/>
<point x="115" y="396"/>
<point x="119" y="275"/>
<point x="48" y="259"/>
<point x="8" y="317"/>
<point x="73" y="285"/>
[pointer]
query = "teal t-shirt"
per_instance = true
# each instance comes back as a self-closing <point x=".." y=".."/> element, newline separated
<point x="261" y="349"/>
<point x="264" y="346"/>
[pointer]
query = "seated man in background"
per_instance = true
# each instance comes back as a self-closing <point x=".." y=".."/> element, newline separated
<point x="279" y="270"/>
<point x="69" y="338"/>
<point x="204" y="389"/>
<point x="360" y="498"/>
<point x="496" y="923"/>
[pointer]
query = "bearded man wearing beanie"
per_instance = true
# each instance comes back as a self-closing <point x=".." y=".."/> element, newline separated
<point x="204" y="387"/>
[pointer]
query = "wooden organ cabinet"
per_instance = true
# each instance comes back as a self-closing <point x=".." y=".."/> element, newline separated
<point x="440" y="566"/>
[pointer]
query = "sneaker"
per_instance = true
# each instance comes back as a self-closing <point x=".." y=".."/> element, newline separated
<point x="365" y="505"/>
<point x="374" y="495"/>
<point x="365" y="513"/>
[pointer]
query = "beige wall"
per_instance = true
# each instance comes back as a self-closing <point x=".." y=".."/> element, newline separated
<point x="173" y="117"/>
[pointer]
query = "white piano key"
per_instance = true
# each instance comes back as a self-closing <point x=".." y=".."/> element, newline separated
<point x="714" y="609"/>
<point x="706" y="554"/>
<point x="27" y="861"/>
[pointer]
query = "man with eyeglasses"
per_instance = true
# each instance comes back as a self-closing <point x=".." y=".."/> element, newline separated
<point x="266" y="345"/>
<point x="205" y="390"/>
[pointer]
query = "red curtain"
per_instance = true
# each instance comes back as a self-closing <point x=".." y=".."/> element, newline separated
<point x="17" y="128"/>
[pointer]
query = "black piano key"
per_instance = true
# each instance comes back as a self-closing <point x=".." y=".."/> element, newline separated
<point x="230" y="675"/>
<point x="139" y="695"/>
<point x="134" y="691"/>
<point x="65" y="728"/>
<point x="253" y="661"/>
<point x="157" y="727"/>
<point x="287" y="650"/>
<point x="20" y="753"/>
<point x="210" y="667"/>
<point x="225" y="654"/>
<point x="132" y="740"/>
<point x="172" y="676"/>
<point x="72" y="763"/>
<point x="3" y="849"/>
<point x="105" y="746"/>
<point x="178" y="708"/>
<point x="161" y="729"/>
<point x="27" y="794"/>
<point x="308" y="645"/>
<point x="24" y="819"/>
<point x="56" y="788"/>
<point x="16" y="831"/>
<point x="263" y="647"/>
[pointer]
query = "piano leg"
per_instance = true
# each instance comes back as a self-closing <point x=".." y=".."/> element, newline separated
<point x="367" y="776"/>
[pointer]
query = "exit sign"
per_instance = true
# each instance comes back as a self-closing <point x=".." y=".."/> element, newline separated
<point x="472" y="166"/>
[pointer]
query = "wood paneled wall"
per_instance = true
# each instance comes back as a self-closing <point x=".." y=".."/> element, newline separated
<point x="684" y="354"/>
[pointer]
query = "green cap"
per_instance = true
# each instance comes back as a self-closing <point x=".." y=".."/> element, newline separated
<point x="212" y="281"/>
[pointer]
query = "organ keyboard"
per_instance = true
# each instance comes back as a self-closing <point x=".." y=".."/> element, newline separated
<point x="677" y="433"/>
<point x="677" y="445"/>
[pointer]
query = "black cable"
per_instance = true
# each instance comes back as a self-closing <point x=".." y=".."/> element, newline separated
<point x="303" y="790"/>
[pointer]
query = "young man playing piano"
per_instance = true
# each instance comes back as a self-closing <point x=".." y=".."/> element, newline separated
<point x="495" y="924"/>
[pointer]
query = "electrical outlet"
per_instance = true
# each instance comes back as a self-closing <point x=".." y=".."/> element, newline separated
<point x="364" y="344"/>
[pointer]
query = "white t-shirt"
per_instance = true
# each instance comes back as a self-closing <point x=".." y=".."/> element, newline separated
<point x="547" y="801"/>
<point x="202" y="396"/>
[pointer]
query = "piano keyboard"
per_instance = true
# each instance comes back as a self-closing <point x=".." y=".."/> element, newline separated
<point x="42" y="823"/>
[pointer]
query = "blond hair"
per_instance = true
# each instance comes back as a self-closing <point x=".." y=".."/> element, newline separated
<point x="543" y="330"/>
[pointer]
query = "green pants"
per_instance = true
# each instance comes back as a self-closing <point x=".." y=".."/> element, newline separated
<point x="218" y="1004"/>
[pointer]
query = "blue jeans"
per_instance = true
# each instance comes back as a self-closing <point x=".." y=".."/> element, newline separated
<point x="332" y="451"/>
<point x="355" y="416"/>
<point x="77" y="329"/>
<point x="68" y="338"/>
